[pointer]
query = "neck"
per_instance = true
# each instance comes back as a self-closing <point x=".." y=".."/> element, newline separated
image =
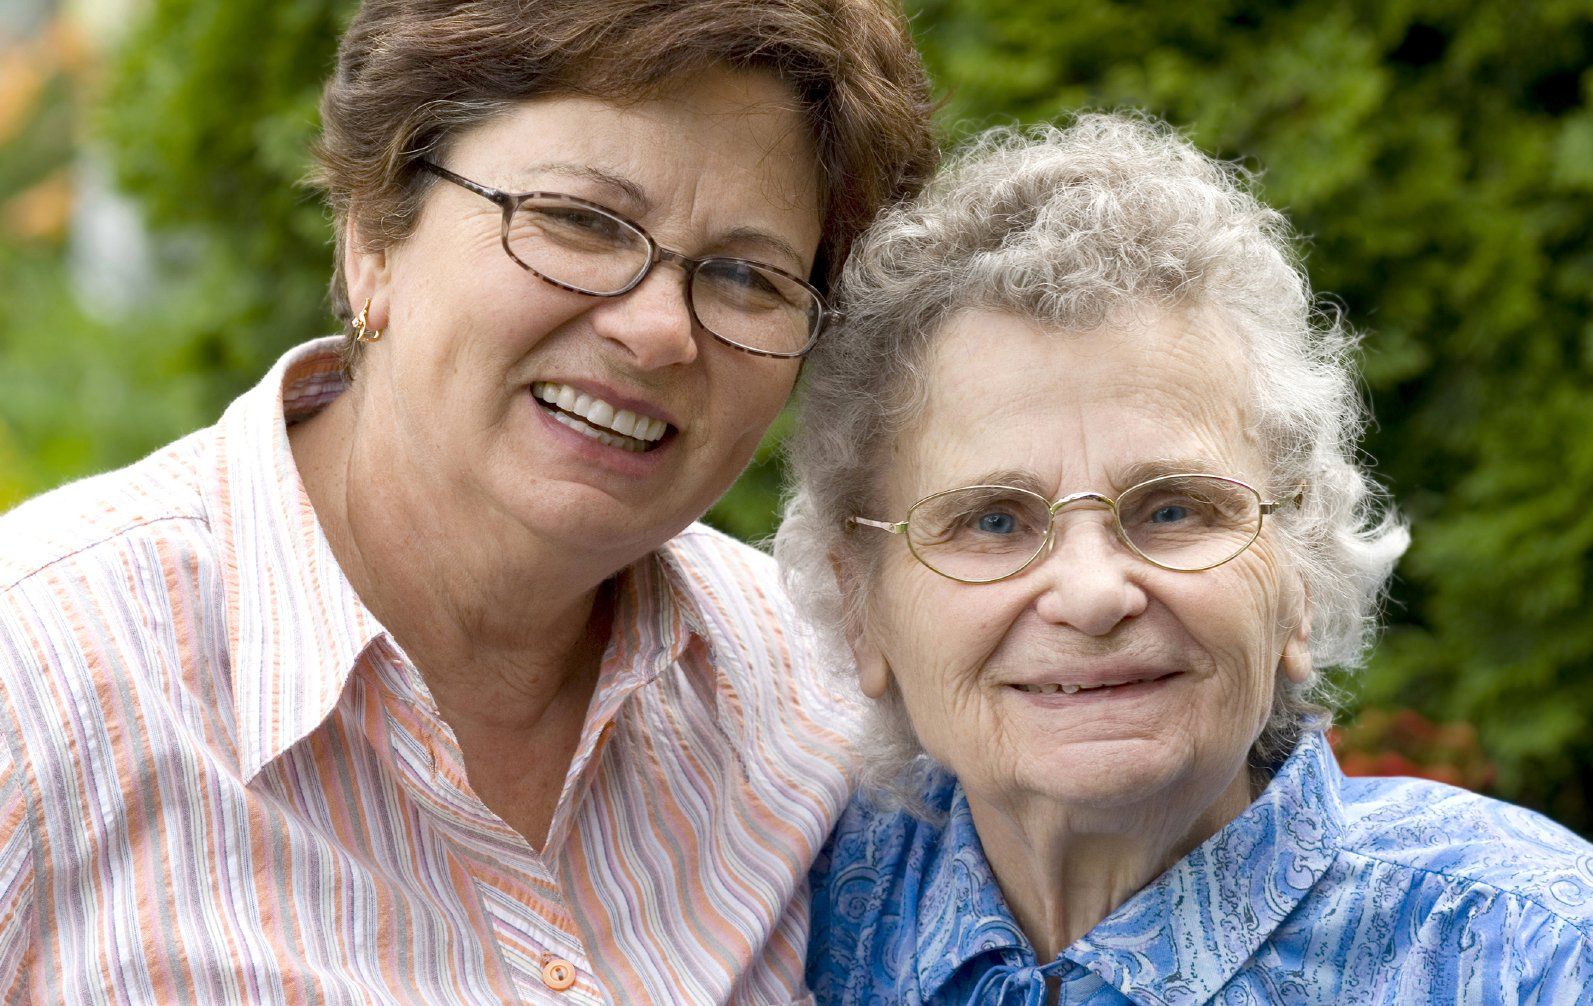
<point x="499" y="624"/>
<point x="1062" y="870"/>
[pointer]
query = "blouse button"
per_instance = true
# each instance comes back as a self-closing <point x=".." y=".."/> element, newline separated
<point x="558" y="974"/>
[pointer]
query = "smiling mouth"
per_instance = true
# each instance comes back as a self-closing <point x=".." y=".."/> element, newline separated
<point x="1054" y="689"/>
<point x="592" y="417"/>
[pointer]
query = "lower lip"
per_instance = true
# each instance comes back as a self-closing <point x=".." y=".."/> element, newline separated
<point x="633" y="463"/>
<point x="1096" y="696"/>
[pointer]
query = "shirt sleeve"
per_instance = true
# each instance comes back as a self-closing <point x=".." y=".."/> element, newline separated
<point x="1558" y="966"/>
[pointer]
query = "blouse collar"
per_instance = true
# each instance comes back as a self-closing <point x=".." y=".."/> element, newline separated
<point x="1182" y="937"/>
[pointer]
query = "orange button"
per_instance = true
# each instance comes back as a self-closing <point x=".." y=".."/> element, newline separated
<point x="557" y="974"/>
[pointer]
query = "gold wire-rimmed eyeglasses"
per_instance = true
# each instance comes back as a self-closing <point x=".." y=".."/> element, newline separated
<point x="582" y="246"/>
<point x="1186" y="523"/>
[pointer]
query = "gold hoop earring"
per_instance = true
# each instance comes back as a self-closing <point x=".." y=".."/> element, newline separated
<point x="362" y="330"/>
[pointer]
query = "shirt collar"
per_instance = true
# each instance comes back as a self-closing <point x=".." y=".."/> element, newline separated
<point x="1186" y="934"/>
<point x="961" y="913"/>
<point x="1191" y="930"/>
<point x="295" y="627"/>
<point x="656" y="615"/>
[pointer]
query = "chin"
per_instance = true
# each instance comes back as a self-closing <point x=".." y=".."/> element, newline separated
<point x="1110" y="773"/>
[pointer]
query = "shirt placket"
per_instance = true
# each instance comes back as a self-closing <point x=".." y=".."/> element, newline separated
<point x="518" y="893"/>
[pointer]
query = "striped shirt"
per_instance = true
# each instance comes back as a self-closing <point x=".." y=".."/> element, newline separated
<point x="222" y="781"/>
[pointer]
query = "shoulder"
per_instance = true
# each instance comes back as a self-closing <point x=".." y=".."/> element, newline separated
<point x="866" y="893"/>
<point x="740" y="606"/>
<point x="875" y="849"/>
<point x="767" y="658"/>
<point x="732" y="596"/>
<point x="730" y="575"/>
<point x="94" y="574"/>
<point x="1472" y="851"/>
<point x="74" y="522"/>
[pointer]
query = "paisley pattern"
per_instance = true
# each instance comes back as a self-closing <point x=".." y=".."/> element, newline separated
<point x="1396" y="892"/>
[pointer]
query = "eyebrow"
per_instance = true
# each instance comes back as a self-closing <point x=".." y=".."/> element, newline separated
<point x="1151" y="468"/>
<point x="1016" y="478"/>
<point x="624" y="186"/>
<point x="751" y="235"/>
<point x="1139" y="471"/>
<point x="641" y="205"/>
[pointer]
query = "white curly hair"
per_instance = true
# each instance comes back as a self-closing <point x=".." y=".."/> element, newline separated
<point x="1072" y="227"/>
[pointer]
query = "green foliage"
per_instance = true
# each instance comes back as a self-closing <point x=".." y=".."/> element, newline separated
<point x="1439" y="154"/>
<point x="210" y="113"/>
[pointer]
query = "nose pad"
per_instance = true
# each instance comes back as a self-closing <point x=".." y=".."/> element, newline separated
<point x="1087" y="579"/>
<point x="653" y="322"/>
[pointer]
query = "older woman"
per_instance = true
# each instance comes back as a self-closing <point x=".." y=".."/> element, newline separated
<point x="408" y="681"/>
<point x="1077" y="493"/>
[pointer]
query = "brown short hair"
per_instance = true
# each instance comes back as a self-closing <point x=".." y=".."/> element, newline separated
<point x="412" y="74"/>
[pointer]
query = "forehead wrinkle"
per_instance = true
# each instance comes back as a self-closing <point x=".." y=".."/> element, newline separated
<point x="767" y="173"/>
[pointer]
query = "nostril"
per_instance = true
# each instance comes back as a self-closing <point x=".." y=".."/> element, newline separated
<point x="653" y="322"/>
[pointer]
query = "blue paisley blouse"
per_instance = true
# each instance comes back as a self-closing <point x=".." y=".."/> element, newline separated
<point x="1325" y="890"/>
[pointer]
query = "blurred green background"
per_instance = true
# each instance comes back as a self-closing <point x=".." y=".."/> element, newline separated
<point x="157" y="253"/>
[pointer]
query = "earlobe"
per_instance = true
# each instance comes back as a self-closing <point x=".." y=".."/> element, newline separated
<point x="1296" y="663"/>
<point x="873" y="670"/>
<point x="365" y="275"/>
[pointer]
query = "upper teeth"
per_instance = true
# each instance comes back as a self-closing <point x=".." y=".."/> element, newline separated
<point x="598" y="412"/>
<point x="1050" y="689"/>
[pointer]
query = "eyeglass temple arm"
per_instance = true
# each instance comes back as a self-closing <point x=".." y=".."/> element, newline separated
<point x="1268" y="509"/>
<point x="486" y="192"/>
<point x="899" y="527"/>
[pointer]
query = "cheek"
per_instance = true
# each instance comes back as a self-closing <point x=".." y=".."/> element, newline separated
<point x="473" y="305"/>
<point x="936" y="639"/>
<point x="749" y="398"/>
<point x="1240" y="629"/>
<point x="766" y="382"/>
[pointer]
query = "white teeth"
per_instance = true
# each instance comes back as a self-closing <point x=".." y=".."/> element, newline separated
<point x="1069" y="689"/>
<point x="622" y="426"/>
<point x="585" y="429"/>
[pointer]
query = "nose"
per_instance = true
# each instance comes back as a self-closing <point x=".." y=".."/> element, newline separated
<point x="1089" y="580"/>
<point x="652" y="323"/>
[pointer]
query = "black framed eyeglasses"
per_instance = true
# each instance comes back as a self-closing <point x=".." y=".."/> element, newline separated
<point x="1186" y="523"/>
<point x="579" y="245"/>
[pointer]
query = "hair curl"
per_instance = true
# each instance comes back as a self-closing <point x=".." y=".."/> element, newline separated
<point x="1077" y="228"/>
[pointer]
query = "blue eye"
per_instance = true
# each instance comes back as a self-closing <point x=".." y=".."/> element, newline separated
<point x="1169" y="514"/>
<point x="998" y="523"/>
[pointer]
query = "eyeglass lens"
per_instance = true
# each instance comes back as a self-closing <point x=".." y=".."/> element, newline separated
<point x="598" y="253"/>
<point x="1186" y="522"/>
